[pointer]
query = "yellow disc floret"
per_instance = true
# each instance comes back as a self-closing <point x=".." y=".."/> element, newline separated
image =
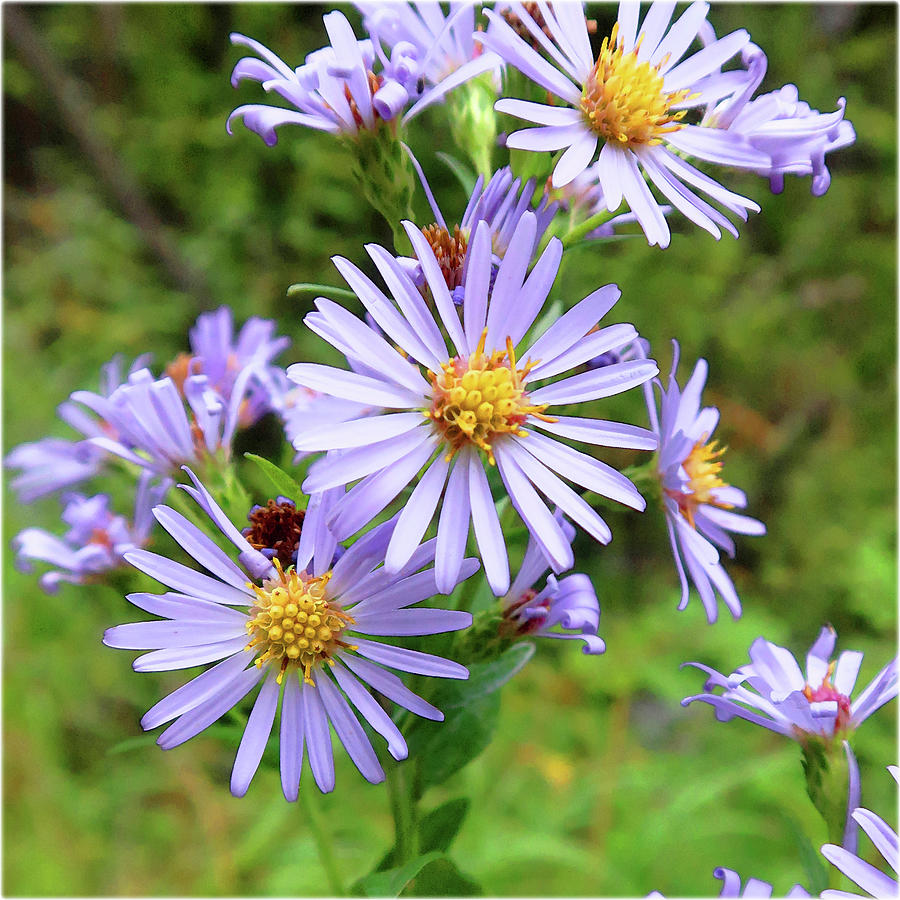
<point x="476" y="399"/>
<point x="623" y="99"/>
<point x="703" y="466"/>
<point x="295" y="623"/>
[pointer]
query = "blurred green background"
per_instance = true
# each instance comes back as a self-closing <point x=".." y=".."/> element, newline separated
<point x="128" y="210"/>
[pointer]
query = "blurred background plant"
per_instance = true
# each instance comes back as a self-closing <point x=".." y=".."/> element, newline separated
<point x="128" y="211"/>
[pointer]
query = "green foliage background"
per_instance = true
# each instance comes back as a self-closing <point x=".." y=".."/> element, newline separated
<point x="597" y="781"/>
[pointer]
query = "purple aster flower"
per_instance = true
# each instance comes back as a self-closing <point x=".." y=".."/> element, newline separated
<point x="97" y="540"/>
<point x="303" y="409"/>
<point x="874" y="882"/>
<point x="772" y="691"/>
<point x="697" y="502"/>
<point x="501" y="204"/>
<point x="778" y="123"/>
<point x="455" y="409"/>
<point x="221" y="357"/>
<point x="309" y="627"/>
<point x="335" y="90"/>
<point x="52" y="464"/>
<point x="731" y="886"/>
<point x="151" y="427"/>
<point x="569" y="603"/>
<point x="430" y="54"/>
<point x="631" y="100"/>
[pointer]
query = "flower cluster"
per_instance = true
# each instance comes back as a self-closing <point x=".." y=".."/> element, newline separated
<point x="471" y="370"/>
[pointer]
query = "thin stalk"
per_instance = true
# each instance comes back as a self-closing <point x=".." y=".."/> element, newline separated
<point x="403" y="806"/>
<point x="587" y="226"/>
<point x="323" y="843"/>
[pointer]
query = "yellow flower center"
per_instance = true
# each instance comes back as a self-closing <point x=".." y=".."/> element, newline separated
<point x="623" y="98"/>
<point x="474" y="400"/>
<point x="294" y="622"/>
<point x="703" y="465"/>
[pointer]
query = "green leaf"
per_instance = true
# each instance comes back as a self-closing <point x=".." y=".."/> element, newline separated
<point x="390" y="882"/>
<point x="282" y="482"/>
<point x="484" y="678"/>
<point x="443" y="748"/>
<point x="436" y="830"/>
<point x="816" y="873"/>
<point x="441" y="878"/>
<point x="328" y="290"/>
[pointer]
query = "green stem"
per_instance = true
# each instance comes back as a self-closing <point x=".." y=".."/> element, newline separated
<point x="587" y="226"/>
<point x="323" y="843"/>
<point x="403" y="807"/>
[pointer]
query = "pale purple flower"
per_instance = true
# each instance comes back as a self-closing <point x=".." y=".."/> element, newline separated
<point x="335" y="90"/>
<point x="568" y="604"/>
<point x="430" y="54"/>
<point x="630" y="100"/>
<point x="772" y="690"/>
<point x="97" y="540"/>
<point x="501" y="204"/>
<point x="52" y="464"/>
<point x="795" y="137"/>
<point x="731" y="886"/>
<point x="151" y="427"/>
<point x="697" y="502"/>
<point x="453" y="409"/>
<point x="221" y="356"/>
<point x="241" y="617"/>
<point x="873" y="881"/>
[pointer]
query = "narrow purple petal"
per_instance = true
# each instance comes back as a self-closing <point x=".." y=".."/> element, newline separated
<point x="256" y="736"/>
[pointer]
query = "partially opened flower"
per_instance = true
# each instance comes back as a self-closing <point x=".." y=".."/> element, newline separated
<point x="97" y="539"/>
<point x="873" y="881"/>
<point x="566" y="608"/>
<point x="772" y="690"/>
<point x="335" y="90"/>
<point x="500" y="204"/>
<point x="456" y="411"/>
<point x="304" y="632"/>
<point x="160" y="425"/>
<point x="753" y="887"/>
<point x="698" y="503"/>
<point x="795" y="136"/>
<point x="630" y="100"/>
<point x="431" y="53"/>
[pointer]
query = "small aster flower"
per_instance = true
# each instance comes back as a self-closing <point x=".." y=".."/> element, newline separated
<point x="731" y="886"/>
<point x="221" y="356"/>
<point x="307" y="627"/>
<point x="431" y="54"/>
<point x="772" y="691"/>
<point x="335" y="90"/>
<point x="697" y="502"/>
<point x="569" y="604"/>
<point x="631" y="100"/>
<point x="52" y="464"/>
<point x="778" y="123"/>
<point x="469" y="405"/>
<point x="874" y="882"/>
<point x="150" y="426"/>
<point x="97" y="540"/>
<point x="501" y="204"/>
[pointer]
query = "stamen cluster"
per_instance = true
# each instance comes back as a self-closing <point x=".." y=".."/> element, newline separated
<point x="450" y="252"/>
<point x="276" y="527"/>
<point x="295" y="623"/>
<point x="703" y="465"/>
<point x="826" y="692"/>
<point x="474" y="400"/>
<point x="623" y="99"/>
